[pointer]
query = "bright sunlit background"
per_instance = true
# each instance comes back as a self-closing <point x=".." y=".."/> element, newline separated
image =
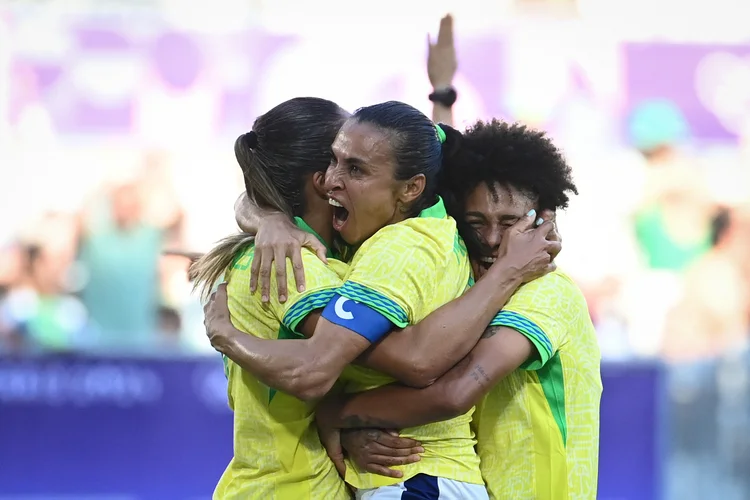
<point x="115" y="110"/>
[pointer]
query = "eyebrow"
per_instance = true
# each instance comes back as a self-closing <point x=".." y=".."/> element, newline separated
<point x="480" y="215"/>
<point x="349" y="159"/>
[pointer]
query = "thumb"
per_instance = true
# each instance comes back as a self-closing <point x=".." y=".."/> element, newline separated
<point x="429" y="41"/>
<point x="526" y="223"/>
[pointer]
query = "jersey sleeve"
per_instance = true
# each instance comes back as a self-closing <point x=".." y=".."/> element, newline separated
<point x="543" y="310"/>
<point x="322" y="281"/>
<point x="394" y="273"/>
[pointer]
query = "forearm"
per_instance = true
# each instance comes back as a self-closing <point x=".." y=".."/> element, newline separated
<point x="419" y="354"/>
<point x="501" y="351"/>
<point x="286" y="366"/>
<point x="398" y="407"/>
<point x="442" y="114"/>
<point x="248" y="215"/>
<point x="387" y="407"/>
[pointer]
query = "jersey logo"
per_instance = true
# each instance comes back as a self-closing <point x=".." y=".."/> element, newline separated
<point x="340" y="311"/>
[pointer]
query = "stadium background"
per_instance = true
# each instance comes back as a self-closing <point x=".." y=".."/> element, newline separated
<point x="101" y="98"/>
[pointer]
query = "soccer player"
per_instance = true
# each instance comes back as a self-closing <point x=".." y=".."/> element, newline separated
<point x="277" y="452"/>
<point x="385" y="199"/>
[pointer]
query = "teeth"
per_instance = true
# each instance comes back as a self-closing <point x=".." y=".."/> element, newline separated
<point x="335" y="203"/>
<point x="489" y="260"/>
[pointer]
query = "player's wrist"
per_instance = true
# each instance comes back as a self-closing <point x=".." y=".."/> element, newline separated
<point x="224" y="338"/>
<point x="443" y="95"/>
<point x="507" y="279"/>
<point x="327" y="412"/>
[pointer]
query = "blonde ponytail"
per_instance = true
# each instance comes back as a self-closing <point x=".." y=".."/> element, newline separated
<point x="207" y="271"/>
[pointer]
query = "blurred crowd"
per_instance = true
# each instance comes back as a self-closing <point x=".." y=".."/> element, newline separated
<point x="664" y="262"/>
<point x="96" y="278"/>
<point x="658" y="238"/>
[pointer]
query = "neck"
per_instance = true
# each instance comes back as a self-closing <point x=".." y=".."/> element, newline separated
<point x="319" y="219"/>
<point x="400" y="215"/>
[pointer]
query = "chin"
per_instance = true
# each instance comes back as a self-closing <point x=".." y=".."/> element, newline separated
<point x="349" y="237"/>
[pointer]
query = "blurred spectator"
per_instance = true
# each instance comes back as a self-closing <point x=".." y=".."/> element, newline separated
<point x="713" y="315"/>
<point x="36" y="312"/>
<point x="119" y="253"/>
<point x="673" y="224"/>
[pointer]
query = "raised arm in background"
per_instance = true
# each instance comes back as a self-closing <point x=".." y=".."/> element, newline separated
<point x="441" y="68"/>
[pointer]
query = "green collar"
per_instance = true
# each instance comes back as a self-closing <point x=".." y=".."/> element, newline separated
<point x="303" y="225"/>
<point x="436" y="211"/>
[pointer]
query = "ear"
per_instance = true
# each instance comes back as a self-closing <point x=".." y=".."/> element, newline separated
<point x="318" y="181"/>
<point x="412" y="189"/>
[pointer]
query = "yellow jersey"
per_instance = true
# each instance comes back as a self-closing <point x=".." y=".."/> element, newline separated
<point x="277" y="452"/>
<point x="538" y="429"/>
<point x="405" y="271"/>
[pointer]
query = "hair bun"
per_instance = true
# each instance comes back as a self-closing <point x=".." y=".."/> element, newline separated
<point x="452" y="143"/>
<point x="251" y="139"/>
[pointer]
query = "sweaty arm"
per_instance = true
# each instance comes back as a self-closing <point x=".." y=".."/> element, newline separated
<point x="500" y="351"/>
<point x="305" y="368"/>
<point x="248" y="215"/>
<point x="310" y="353"/>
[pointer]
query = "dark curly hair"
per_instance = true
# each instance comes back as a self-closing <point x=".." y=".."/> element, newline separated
<point x="509" y="154"/>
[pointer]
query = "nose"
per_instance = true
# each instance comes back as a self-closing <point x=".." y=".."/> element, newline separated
<point x="333" y="179"/>
<point x="493" y="236"/>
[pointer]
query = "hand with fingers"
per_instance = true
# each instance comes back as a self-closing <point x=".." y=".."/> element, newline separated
<point x="216" y="319"/>
<point x="279" y="239"/>
<point x="331" y="441"/>
<point x="527" y="249"/>
<point x="376" y="450"/>
<point x="441" y="56"/>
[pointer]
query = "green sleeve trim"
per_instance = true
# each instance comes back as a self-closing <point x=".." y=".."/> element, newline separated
<point x="375" y="300"/>
<point x="531" y="331"/>
<point x="553" y="384"/>
<point x="305" y="305"/>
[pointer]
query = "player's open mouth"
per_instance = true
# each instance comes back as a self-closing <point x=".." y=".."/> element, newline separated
<point x="340" y="214"/>
<point x="486" y="262"/>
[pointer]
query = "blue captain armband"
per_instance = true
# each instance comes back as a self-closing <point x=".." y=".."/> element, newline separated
<point x="358" y="318"/>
